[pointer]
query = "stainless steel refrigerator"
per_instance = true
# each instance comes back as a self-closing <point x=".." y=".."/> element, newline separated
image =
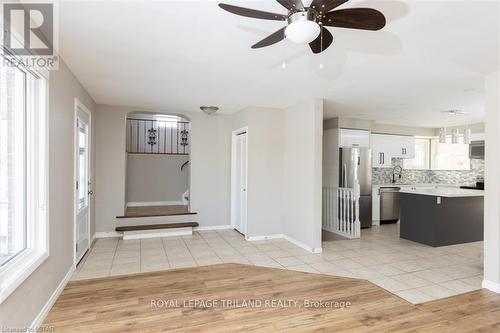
<point x="356" y="163"/>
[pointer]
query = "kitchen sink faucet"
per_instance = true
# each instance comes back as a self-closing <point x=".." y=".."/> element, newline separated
<point x="399" y="173"/>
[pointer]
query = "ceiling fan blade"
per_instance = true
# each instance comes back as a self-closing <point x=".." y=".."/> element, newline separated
<point x="324" y="6"/>
<point x="355" y="18"/>
<point x="292" y="4"/>
<point x="324" y="40"/>
<point x="247" y="12"/>
<point x="274" y="38"/>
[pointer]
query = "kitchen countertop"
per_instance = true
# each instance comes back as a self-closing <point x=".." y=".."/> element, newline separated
<point x="450" y="192"/>
<point x="415" y="185"/>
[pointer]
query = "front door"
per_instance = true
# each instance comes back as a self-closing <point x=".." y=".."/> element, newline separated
<point x="82" y="168"/>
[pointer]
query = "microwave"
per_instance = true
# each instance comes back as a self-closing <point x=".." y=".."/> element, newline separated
<point x="476" y="150"/>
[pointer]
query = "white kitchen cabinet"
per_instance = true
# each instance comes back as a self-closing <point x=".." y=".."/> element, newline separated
<point x="381" y="158"/>
<point x="354" y="138"/>
<point x="406" y="146"/>
<point x="385" y="147"/>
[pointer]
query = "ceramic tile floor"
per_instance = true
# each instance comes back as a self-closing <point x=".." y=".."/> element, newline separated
<point x="415" y="272"/>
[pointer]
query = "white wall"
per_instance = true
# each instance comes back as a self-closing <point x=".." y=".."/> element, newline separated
<point x="156" y="178"/>
<point x="209" y="166"/>
<point x="303" y="133"/>
<point x="492" y="183"/>
<point x="25" y="303"/>
<point x="265" y="167"/>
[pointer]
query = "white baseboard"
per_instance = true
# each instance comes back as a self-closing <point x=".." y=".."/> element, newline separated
<point x="154" y="203"/>
<point x="107" y="234"/>
<point x="53" y="298"/>
<point x="290" y="239"/>
<point x="492" y="286"/>
<point x="261" y="238"/>
<point x="213" y="227"/>
<point x="304" y="246"/>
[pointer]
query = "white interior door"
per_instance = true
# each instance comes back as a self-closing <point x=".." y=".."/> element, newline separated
<point x="240" y="186"/>
<point x="82" y="173"/>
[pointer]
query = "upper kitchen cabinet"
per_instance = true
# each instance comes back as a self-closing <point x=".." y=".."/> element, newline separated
<point x="386" y="146"/>
<point x="354" y="138"/>
<point x="406" y="144"/>
<point x="383" y="149"/>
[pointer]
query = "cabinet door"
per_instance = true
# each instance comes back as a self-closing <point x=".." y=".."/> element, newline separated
<point x="382" y="150"/>
<point x="354" y="138"/>
<point x="407" y="147"/>
<point x="381" y="158"/>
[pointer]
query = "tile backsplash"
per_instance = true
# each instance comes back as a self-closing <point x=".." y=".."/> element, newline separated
<point x="384" y="175"/>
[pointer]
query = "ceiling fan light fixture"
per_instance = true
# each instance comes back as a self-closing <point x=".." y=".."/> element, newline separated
<point x="301" y="29"/>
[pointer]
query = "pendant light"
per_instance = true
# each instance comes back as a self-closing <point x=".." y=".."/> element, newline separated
<point x="454" y="136"/>
<point x="442" y="135"/>
<point x="467" y="135"/>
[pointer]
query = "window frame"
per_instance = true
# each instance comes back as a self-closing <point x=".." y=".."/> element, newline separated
<point x="14" y="272"/>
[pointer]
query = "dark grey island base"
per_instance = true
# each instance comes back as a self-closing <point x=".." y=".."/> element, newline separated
<point x="454" y="220"/>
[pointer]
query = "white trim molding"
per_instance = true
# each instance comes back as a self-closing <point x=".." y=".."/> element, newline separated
<point x="155" y="203"/>
<point x="492" y="286"/>
<point x="213" y="227"/>
<point x="107" y="234"/>
<point x="46" y="308"/>
<point x="79" y="106"/>
<point x="233" y="203"/>
<point x="36" y="194"/>
<point x="261" y="238"/>
<point x="290" y="239"/>
<point x="304" y="246"/>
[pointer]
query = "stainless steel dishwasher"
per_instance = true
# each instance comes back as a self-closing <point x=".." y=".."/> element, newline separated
<point x="389" y="204"/>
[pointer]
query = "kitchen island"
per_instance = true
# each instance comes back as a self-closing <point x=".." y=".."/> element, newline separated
<point x="441" y="216"/>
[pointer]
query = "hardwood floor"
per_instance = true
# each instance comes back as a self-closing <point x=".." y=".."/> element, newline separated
<point x="123" y="304"/>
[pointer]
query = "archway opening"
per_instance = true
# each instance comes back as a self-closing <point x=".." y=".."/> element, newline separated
<point x="158" y="147"/>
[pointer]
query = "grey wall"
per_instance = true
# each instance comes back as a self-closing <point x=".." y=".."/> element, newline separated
<point x="209" y="166"/>
<point x="155" y="178"/>
<point x="265" y="167"/>
<point x="492" y="186"/>
<point x="384" y="175"/>
<point x="25" y="303"/>
<point x="303" y="134"/>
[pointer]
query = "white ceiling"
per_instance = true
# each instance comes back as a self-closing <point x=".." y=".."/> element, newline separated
<point x="177" y="55"/>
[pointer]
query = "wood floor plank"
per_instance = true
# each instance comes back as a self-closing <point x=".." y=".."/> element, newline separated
<point x="123" y="304"/>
